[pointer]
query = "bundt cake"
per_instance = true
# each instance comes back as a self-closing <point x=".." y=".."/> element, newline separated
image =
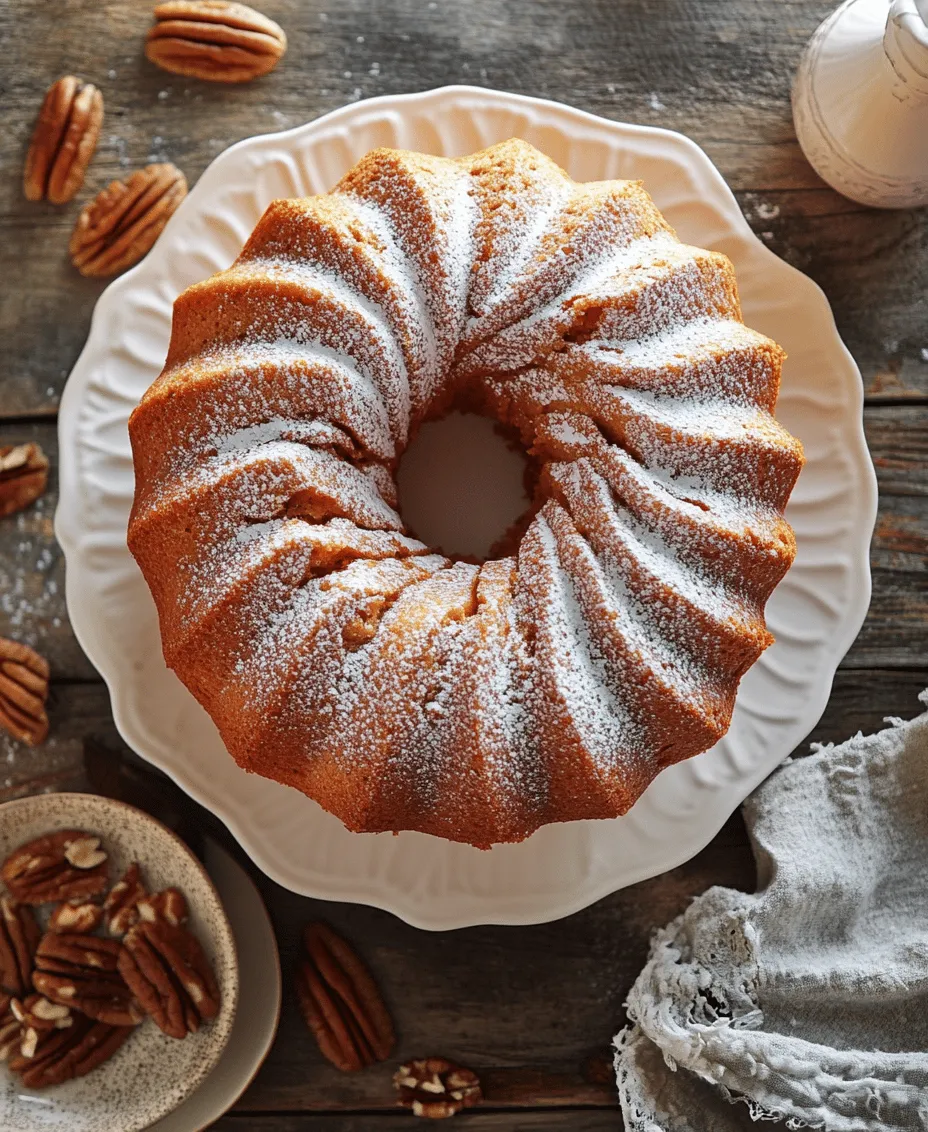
<point x="340" y="655"/>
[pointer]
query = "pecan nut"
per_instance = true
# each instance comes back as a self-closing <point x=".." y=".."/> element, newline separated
<point x="23" y="476"/>
<point x="10" y="1036"/>
<point x="122" y="223"/>
<point x="62" y="1055"/>
<point x="82" y="972"/>
<point x="79" y="917"/>
<point x="169" y="905"/>
<point x="170" y="975"/>
<point x="19" y="938"/>
<point x="65" y="137"/>
<point x="341" y="1003"/>
<point x="119" y="906"/>
<point x="23" y="692"/>
<point x="436" y="1088"/>
<point x="67" y="865"/>
<point x="215" y="40"/>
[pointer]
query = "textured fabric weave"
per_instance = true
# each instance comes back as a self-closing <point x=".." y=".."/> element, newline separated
<point x="806" y="1002"/>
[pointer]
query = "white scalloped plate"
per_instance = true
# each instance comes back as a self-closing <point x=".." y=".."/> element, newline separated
<point x="815" y="613"/>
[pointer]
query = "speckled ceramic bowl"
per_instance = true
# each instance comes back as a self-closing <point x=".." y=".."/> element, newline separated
<point x="151" y="1074"/>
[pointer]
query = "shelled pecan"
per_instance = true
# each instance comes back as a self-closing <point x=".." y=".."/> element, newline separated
<point x="436" y="1088"/>
<point x="65" y="137"/>
<point x="19" y="938"/>
<point x="66" y="865"/>
<point x="23" y="476"/>
<point x="215" y="40"/>
<point x="83" y="972"/>
<point x="341" y="1003"/>
<point x="23" y="692"/>
<point x="168" y="905"/>
<point x="122" y="223"/>
<point x="62" y="1055"/>
<point x="119" y="908"/>
<point x="169" y="974"/>
<point x="79" y="917"/>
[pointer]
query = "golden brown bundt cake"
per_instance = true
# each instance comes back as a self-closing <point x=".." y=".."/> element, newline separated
<point x="340" y="655"/>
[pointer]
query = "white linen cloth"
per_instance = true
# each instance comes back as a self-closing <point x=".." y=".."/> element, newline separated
<point x="807" y="1002"/>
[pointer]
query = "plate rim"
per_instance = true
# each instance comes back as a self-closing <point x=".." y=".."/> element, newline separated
<point x="539" y="907"/>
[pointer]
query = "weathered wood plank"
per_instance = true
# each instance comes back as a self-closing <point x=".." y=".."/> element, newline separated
<point x="477" y="1120"/>
<point x="32" y="602"/>
<point x="472" y="994"/>
<point x="32" y="606"/>
<point x="718" y="72"/>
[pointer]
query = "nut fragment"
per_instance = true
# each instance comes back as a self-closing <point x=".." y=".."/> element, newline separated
<point x="9" y="1036"/>
<point x="39" y="871"/>
<point x="61" y="1055"/>
<point x="38" y="1013"/>
<point x="169" y="974"/>
<point x="23" y="476"/>
<point x="341" y="1003"/>
<point x="19" y="937"/>
<point x="215" y="40"/>
<point x="120" y="904"/>
<point x="168" y="905"/>
<point x="82" y="972"/>
<point x="122" y="223"/>
<point x="436" y="1088"/>
<point x="78" y="917"/>
<point x="23" y="692"/>
<point x="65" y="137"/>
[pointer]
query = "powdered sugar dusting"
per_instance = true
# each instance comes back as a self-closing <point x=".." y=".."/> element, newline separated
<point x="340" y="655"/>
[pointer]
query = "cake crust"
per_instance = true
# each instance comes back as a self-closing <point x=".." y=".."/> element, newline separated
<point x="340" y="655"/>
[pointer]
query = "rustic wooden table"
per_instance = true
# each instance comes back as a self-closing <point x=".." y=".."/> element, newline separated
<point x="533" y="1009"/>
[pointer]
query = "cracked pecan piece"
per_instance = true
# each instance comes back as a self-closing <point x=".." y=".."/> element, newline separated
<point x="79" y="917"/>
<point x="119" y="908"/>
<point x="341" y="1003"/>
<point x="23" y="476"/>
<point x="122" y="223"/>
<point x="214" y="40"/>
<point x="169" y="973"/>
<point x="436" y="1088"/>
<point x="62" y="1055"/>
<point x="169" y="906"/>
<point x="23" y="692"/>
<point x="19" y="938"/>
<point x="82" y="972"/>
<point x="67" y="865"/>
<point x="64" y="140"/>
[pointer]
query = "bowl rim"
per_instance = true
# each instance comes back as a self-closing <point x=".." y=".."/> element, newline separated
<point x="202" y="1067"/>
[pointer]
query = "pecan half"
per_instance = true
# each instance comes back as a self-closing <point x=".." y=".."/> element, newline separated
<point x="215" y="40"/>
<point x="82" y="971"/>
<point x="65" y="137"/>
<point x="61" y="1055"/>
<point x="122" y="223"/>
<point x="19" y="937"/>
<point x="436" y="1088"/>
<point x="341" y="1003"/>
<point x="79" y="917"/>
<point x="119" y="906"/>
<point x="168" y="905"/>
<point x="23" y="476"/>
<point x="23" y="692"/>
<point x="168" y="972"/>
<point x="67" y="865"/>
<point x="10" y="1036"/>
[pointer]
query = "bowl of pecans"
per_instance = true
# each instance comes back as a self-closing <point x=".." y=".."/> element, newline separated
<point x="118" y="972"/>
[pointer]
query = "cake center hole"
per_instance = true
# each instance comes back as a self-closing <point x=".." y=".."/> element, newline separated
<point x="462" y="485"/>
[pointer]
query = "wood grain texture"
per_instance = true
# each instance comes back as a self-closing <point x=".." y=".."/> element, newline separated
<point x="532" y="1009"/>
<point x="718" y="71"/>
